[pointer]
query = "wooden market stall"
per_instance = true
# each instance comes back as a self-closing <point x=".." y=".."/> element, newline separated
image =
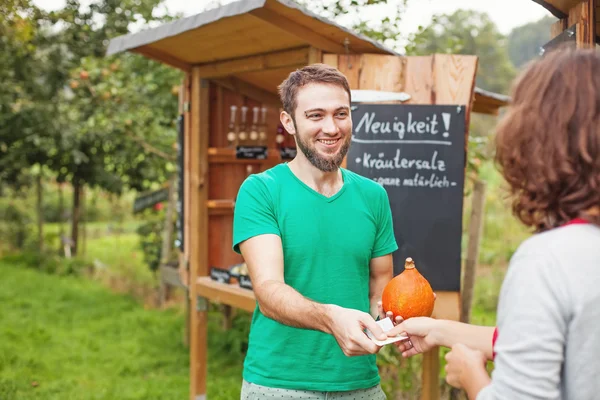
<point x="234" y="57"/>
<point x="579" y="21"/>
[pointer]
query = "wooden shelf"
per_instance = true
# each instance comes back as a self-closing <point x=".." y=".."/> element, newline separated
<point x="230" y="294"/>
<point x="221" y="155"/>
<point x="220" y="207"/>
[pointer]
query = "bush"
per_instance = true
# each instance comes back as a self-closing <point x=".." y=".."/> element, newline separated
<point x="150" y="232"/>
<point x="16" y="224"/>
<point x="49" y="263"/>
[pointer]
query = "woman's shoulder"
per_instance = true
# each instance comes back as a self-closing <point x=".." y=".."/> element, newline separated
<point x="564" y="240"/>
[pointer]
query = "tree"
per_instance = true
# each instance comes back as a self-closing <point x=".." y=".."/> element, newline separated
<point x="385" y="27"/>
<point x="524" y="42"/>
<point x="64" y="95"/>
<point x="468" y="32"/>
<point x="112" y="107"/>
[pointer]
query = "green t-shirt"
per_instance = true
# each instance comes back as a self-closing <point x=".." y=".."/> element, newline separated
<point x="327" y="246"/>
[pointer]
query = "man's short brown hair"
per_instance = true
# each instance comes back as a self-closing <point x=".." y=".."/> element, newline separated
<point x="314" y="73"/>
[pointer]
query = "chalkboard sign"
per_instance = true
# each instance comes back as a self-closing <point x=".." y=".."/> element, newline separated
<point x="252" y="152"/>
<point x="147" y="200"/>
<point x="180" y="184"/>
<point x="417" y="153"/>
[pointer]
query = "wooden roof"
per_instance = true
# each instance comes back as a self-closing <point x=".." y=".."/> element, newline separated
<point x="559" y="8"/>
<point x="241" y="29"/>
<point x="258" y="42"/>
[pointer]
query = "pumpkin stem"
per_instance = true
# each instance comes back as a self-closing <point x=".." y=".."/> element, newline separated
<point x="409" y="263"/>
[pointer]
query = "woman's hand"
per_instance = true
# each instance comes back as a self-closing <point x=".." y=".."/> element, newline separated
<point x="465" y="369"/>
<point x="421" y="332"/>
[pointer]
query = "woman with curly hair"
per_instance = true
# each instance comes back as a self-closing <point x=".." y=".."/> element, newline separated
<point x="547" y="340"/>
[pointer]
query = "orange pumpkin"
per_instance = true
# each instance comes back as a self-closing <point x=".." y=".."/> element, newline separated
<point x="409" y="294"/>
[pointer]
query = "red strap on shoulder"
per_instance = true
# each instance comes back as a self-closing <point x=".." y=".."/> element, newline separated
<point x="494" y="338"/>
<point x="576" y="221"/>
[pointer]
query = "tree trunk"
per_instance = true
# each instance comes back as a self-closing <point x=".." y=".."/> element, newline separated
<point x="61" y="213"/>
<point x="83" y="220"/>
<point x="40" y="212"/>
<point x="75" y="219"/>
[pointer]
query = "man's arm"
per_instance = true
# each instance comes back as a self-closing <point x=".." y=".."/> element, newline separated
<point x="381" y="271"/>
<point x="277" y="300"/>
<point x="264" y="257"/>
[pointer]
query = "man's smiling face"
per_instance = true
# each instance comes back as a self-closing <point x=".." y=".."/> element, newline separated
<point x="322" y="124"/>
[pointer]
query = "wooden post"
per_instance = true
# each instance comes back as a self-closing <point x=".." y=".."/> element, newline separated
<point x="431" y="375"/>
<point x="583" y="15"/>
<point x="184" y="256"/>
<point x="475" y="226"/>
<point x="314" y="55"/>
<point x="198" y="216"/>
<point x="164" y="290"/>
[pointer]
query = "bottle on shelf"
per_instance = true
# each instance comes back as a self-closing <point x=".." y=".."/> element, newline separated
<point x="254" y="126"/>
<point x="262" y="134"/>
<point x="243" y="133"/>
<point x="232" y="133"/>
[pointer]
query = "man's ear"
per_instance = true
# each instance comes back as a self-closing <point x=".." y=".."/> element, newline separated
<point x="287" y="122"/>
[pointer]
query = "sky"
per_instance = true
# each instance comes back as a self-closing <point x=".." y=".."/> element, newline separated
<point x="507" y="14"/>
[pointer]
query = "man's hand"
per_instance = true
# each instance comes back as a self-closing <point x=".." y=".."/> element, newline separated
<point x="348" y="326"/>
<point x="465" y="366"/>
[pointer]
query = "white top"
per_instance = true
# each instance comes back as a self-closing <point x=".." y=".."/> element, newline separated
<point x="548" y="345"/>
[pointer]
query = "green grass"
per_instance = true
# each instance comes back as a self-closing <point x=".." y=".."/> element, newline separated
<point x="70" y="338"/>
<point x="120" y="256"/>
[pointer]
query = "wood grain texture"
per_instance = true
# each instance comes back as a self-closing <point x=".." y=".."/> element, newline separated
<point x="419" y="79"/>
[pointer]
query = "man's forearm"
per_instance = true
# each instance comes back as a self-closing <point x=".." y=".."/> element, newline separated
<point x="377" y="283"/>
<point x="374" y="297"/>
<point x="284" y="304"/>
<point x="448" y="333"/>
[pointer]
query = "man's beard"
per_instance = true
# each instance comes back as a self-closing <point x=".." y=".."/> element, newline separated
<point x="325" y="164"/>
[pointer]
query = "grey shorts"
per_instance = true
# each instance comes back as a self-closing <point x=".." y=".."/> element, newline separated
<point x="251" y="391"/>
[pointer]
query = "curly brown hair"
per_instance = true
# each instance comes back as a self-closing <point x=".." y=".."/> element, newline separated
<point x="548" y="143"/>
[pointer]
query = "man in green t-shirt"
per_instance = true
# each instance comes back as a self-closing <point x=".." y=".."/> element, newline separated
<point x="317" y="240"/>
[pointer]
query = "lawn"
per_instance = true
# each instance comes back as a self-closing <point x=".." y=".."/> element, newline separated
<point x="71" y="338"/>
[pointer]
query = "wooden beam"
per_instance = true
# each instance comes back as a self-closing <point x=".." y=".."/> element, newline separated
<point x="226" y="294"/>
<point x="159" y="56"/>
<point x="482" y="108"/>
<point x="314" y="55"/>
<point x="300" y="31"/>
<point x="261" y="62"/>
<point x="198" y="214"/>
<point x="248" y="90"/>
<point x="330" y="59"/>
<point x="560" y="8"/>
<point x="558" y="27"/>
